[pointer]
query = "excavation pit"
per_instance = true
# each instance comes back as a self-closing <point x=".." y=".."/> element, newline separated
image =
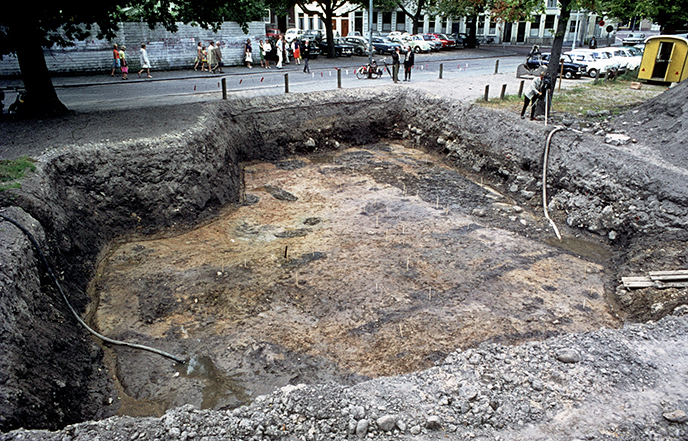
<point x="316" y="238"/>
<point x="363" y="263"/>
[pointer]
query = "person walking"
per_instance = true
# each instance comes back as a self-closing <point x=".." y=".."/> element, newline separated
<point x="204" y="58"/>
<point x="210" y="56"/>
<point x="408" y="63"/>
<point x="145" y="62"/>
<point x="306" y="52"/>
<point x="532" y="94"/>
<point x="123" y="63"/>
<point x="395" y="65"/>
<point x="218" y="57"/>
<point x="115" y="59"/>
<point x="297" y="51"/>
<point x="199" y="56"/>
<point x="267" y="48"/>
<point x="261" y="51"/>
<point x="280" y="51"/>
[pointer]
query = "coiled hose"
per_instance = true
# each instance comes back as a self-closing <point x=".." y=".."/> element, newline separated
<point x="69" y="305"/>
<point x="544" y="180"/>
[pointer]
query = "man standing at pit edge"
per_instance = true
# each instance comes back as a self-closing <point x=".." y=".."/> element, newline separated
<point x="395" y="65"/>
<point x="305" y="53"/>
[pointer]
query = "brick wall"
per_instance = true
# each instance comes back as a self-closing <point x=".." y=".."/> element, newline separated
<point x="166" y="50"/>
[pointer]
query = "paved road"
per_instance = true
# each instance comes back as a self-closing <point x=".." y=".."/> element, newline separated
<point x="102" y="92"/>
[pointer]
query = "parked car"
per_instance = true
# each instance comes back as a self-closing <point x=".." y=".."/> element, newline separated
<point x="418" y="44"/>
<point x="397" y="34"/>
<point x="633" y="39"/>
<point x="312" y="35"/>
<point x="596" y="64"/>
<point x="313" y="44"/>
<point x="291" y="34"/>
<point x="461" y="39"/>
<point x="384" y="45"/>
<point x="435" y="43"/>
<point x="447" y="42"/>
<point x="272" y="33"/>
<point x="341" y="47"/>
<point x="625" y="56"/>
<point x="608" y="54"/>
<point x="571" y="68"/>
<point x="360" y="45"/>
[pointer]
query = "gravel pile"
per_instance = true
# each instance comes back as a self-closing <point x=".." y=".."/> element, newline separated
<point x="628" y="384"/>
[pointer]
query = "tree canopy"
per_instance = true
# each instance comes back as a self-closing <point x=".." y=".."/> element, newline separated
<point x="670" y="15"/>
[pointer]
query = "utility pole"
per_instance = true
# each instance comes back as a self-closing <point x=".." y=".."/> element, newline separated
<point x="370" y="33"/>
<point x="575" y="35"/>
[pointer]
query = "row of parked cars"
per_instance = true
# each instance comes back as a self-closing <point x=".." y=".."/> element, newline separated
<point x="358" y="45"/>
<point x="592" y="62"/>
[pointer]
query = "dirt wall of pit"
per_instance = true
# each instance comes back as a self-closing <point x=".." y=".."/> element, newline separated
<point x="81" y="200"/>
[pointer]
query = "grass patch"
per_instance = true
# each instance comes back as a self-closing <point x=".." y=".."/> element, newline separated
<point x="11" y="170"/>
<point x="615" y="96"/>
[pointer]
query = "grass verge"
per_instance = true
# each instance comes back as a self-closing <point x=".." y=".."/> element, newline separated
<point x="12" y="170"/>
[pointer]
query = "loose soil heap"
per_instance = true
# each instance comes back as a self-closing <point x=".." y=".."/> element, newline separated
<point x="572" y="385"/>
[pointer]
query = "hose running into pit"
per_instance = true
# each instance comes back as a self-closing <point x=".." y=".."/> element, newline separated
<point x="69" y="305"/>
<point x="544" y="180"/>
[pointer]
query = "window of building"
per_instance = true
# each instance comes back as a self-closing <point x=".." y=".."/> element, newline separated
<point x="549" y="21"/>
<point x="386" y="21"/>
<point x="481" y="25"/>
<point x="572" y="26"/>
<point x="310" y="23"/>
<point x="401" y="21"/>
<point x="374" y="23"/>
<point x="431" y="25"/>
<point x="535" y="26"/>
<point x="552" y="4"/>
<point x="493" y="28"/>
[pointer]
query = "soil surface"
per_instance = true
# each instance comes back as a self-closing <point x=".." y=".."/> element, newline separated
<point x="365" y="263"/>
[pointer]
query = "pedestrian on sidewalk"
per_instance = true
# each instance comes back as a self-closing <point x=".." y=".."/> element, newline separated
<point x="199" y="56"/>
<point x="204" y="59"/>
<point x="297" y="51"/>
<point x="267" y="48"/>
<point x="145" y="62"/>
<point x="123" y="63"/>
<point x="408" y="63"/>
<point x="261" y="52"/>
<point x="395" y="65"/>
<point x="210" y="56"/>
<point x="115" y="59"/>
<point x="218" y="57"/>
<point x="532" y="94"/>
<point x="280" y="52"/>
<point x="306" y="52"/>
<point x="248" y="54"/>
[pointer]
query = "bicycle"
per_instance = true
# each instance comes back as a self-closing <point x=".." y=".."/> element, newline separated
<point x="370" y="70"/>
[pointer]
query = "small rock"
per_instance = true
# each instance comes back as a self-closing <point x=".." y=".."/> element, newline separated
<point x="434" y="422"/>
<point x="677" y="416"/>
<point x="568" y="356"/>
<point x="352" y="427"/>
<point x="513" y="188"/>
<point x="680" y="310"/>
<point x="612" y="235"/>
<point x="616" y="139"/>
<point x="401" y="425"/>
<point x="362" y="428"/>
<point x="386" y="422"/>
<point x="415" y="430"/>
<point x="310" y="142"/>
<point x="537" y="384"/>
<point x="480" y="212"/>
<point x="591" y="114"/>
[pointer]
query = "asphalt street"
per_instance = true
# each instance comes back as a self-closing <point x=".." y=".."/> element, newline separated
<point x="86" y="93"/>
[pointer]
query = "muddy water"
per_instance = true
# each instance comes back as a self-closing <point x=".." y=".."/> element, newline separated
<point x="364" y="263"/>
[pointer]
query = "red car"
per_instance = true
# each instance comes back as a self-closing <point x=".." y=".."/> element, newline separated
<point x="447" y="42"/>
<point x="272" y="33"/>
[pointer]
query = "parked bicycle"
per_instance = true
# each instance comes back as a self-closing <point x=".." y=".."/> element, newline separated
<point x="18" y="107"/>
<point x="370" y="70"/>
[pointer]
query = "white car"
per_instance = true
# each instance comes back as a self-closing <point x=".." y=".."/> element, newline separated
<point x="292" y="34"/>
<point x="626" y="57"/>
<point x="418" y="43"/>
<point x="597" y="64"/>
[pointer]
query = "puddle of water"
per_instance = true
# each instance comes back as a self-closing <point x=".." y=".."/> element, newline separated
<point x="219" y="387"/>
<point x="581" y="247"/>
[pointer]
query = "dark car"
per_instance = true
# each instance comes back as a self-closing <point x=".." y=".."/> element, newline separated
<point x="341" y="47"/>
<point x="312" y="44"/>
<point x="461" y="39"/>
<point x="385" y="45"/>
<point x="360" y="48"/>
<point x="312" y="35"/>
<point x="571" y="68"/>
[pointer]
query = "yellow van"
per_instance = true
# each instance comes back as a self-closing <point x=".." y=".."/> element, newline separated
<point x="665" y="59"/>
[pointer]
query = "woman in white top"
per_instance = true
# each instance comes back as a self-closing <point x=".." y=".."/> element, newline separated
<point x="145" y="62"/>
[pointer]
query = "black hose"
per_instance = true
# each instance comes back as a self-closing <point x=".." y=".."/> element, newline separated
<point x="69" y="305"/>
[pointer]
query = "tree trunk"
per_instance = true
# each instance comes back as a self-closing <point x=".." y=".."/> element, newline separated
<point x="41" y="98"/>
<point x="329" y="33"/>
<point x="557" y="45"/>
<point x="417" y="15"/>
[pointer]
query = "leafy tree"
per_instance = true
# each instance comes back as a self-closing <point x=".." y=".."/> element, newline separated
<point x="26" y="29"/>
<point x="670" y="15"/>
